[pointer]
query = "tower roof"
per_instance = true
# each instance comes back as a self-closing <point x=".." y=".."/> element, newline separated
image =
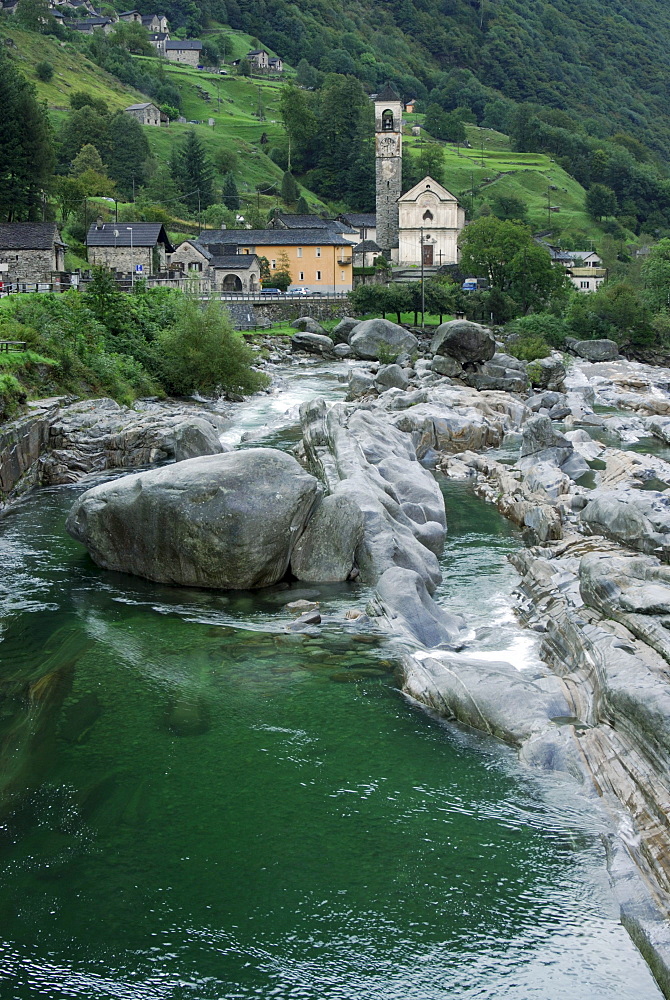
<point x="387" y="93"/>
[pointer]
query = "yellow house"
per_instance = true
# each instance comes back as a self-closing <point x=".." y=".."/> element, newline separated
<point x="318" y="259"/>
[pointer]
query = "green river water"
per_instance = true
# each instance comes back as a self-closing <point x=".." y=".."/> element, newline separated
<point x="196" y="804"/>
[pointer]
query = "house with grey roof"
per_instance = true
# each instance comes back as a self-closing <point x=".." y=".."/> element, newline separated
<point x="186" y="51"/>
<point x="30" y="251"/>
<point x="155" y="23"/>
<point x="139" y="248"/>
<point x="258" y="58"/>
<point x="146" y="114"/>
<point x="218" y="265"/>
<point x="158" y="40"/>
<point x="92" y="24"/>
<point x="364" y="223"/>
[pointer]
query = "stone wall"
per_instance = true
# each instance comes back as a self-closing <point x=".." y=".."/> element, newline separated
<point x="389" y="189"/>
<point x="122" y="258"/>
<point x="29" y="265"/>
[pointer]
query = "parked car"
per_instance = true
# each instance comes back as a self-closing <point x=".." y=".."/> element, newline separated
<point x="271" y="291"/>
<point x="299" y="291"/>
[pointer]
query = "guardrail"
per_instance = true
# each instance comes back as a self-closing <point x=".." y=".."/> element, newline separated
<point x="201" y="289"/>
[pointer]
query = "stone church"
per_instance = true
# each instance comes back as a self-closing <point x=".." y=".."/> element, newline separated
<point x="424" y="223"/>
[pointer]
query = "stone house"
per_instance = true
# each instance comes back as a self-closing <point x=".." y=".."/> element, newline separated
<point x="217" y="264"/>
<point x="275" y="65"/>
<point x="258" y="58"/>
<point x="158" y="40"/>
<point x="430" y="220"/>
<point x="145" y="114"/>
<point x="186" y="51"/>
<point x="157" y="23"/>
<point x="131" y="16"/>
<point x="30" y="251"/>
<point x="137" y="247"/>
<point x="92" y="24"/>
<point x="588" y="258"/>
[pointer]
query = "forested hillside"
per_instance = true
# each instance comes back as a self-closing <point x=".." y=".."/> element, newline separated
<point x="605" y="61"/>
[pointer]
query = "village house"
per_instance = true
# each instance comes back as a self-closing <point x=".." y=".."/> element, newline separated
<point x="318" y="259"/>
<point x="587" y="279"/>
<point x="155" y="23"/>
<point x="584" y="258"/>
<point x="158" y="40"/>
<point x="30" y="251"/>
<point x="146" y="114"/>
<point x="410" y="105"/>
<point x="139" y="248"/>
<point x="222" y="269"/>
<point x="275" y="65"/>
<point x="92" y="24"/>
<point x="186" y="51"/>
<point x="258" y="58"/>
<point x="430" y="220"/>
<point x="364" y="224"/>
<point x="131" y="16"/>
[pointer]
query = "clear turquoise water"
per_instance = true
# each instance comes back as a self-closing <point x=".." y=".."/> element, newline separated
<point x="196" y="804"/>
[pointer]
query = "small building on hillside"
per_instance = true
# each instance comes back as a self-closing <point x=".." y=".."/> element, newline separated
<point x="318" y="259"/>
<point x="275" y="65"/>
<point x="131" y="16"/>
<point x="409" y="105"/>
<point x="584" y="258"/>
<point x="137" y="247"/>
<point x="146" y="114"/>
<point x="92" y="24"/>
<point x="186" y="51"/>
<point x="155" y="23"/>
<point x="587" y="279"/>
<point x="30" y="251"/>
<point x="158" y="39"/>
<point x="430" y="220"/>
<point x="258" y="58"/>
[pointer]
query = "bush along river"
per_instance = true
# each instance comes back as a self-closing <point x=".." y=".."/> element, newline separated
<point x="198" y="803"/>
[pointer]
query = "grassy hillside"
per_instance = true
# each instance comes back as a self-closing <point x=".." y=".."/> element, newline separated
<point x="490" y="168"/>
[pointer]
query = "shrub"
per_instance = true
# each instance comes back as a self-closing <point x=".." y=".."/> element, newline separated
<point x="202" y="353"/>
<point x="529" y="348"/>
<point x="44" y="71"/>
<point x="546" y="326"/>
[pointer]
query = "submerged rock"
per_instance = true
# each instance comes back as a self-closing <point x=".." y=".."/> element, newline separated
<point x="225" y="521"/>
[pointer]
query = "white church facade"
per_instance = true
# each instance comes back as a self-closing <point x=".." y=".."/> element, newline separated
<point x="422" y="225"/>
<point x="430" y="221"/>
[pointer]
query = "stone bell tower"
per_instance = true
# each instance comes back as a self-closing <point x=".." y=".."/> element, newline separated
<point x="388" y="158"/>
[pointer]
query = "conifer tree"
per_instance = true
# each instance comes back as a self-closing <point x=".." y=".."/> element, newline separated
<point x="193" y="173"/>
<point x="230" y="195"/>
<point x="289" y="189"/>
<point x="128" y="152"/>
<point x="302" y="208"/>
<point x="26" y="148"/>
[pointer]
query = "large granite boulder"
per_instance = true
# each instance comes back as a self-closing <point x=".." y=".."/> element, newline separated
<point x="325" y="551"/>
<point x="443" y="365"/>
<point x="548" y="373"/>
<point x="225" y="521"/>
<point x="373" y="336"/>
<point x="596" y="350"/>
<point x="312" y="343"/>
<point x="361" y="383"/>
<point x="194" y="438"/>
<point x="308" y="325"/>
<point x="463" y="341"/>
<point x="638" y="519"/>
<point x="342" y="332"/>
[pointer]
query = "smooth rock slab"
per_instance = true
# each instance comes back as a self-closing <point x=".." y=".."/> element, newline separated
<point x="324" y="553"/>
<point x="312" y="343"/>
<point x="596" y="350"/>
<point x="194" y="438"/>
<point x="224" y="521"/>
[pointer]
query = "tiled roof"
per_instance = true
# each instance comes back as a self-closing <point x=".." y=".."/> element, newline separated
<point x="29" y="235"/>
<point x="367" y="246"/>
<point x="360" y="220"/>
<point x="189" y="44"/>
<point x="282" y="221"/>
<point x="144" y="234"/>
<point x="274" y="237"/>
<point x="387" y="93"/>
<point x="235" y="261"/>
<point x="140" y="107"/>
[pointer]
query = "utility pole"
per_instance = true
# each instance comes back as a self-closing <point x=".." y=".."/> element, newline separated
<point x="548" y="208"/>
<point x="423" y="289"/>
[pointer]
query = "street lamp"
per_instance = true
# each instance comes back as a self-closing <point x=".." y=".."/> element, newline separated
<point x="132" y="259"/>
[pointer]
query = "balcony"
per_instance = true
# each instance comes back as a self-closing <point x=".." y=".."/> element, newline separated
<point x="344" y="260"/>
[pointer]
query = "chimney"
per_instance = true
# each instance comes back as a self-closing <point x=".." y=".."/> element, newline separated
<point x="99" y="222"/>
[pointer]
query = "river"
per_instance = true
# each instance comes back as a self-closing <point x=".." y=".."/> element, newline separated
<point x="197" y="804"/>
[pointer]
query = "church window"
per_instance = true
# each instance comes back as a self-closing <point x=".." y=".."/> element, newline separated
<point x="387" y="120"/>
<point x="427" y="216"/>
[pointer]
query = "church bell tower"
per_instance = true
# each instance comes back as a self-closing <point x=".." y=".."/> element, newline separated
<point x="388" y="158"/>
